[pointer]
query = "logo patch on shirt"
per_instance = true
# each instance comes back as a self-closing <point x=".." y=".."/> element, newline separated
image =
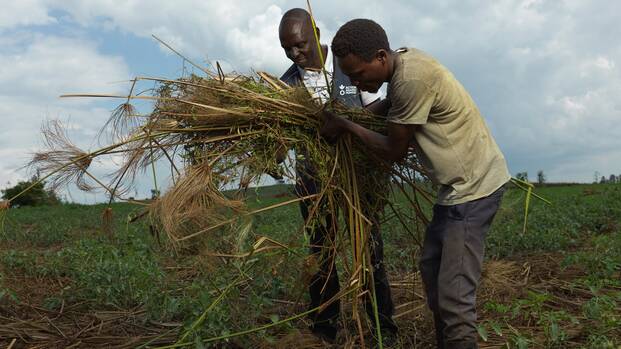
<point x="347" y="90"/>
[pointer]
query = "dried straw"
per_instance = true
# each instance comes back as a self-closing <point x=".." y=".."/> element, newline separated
<point x="107" y="220"/>
<point x="62" y="158"/>
<point x="221" y="134"/>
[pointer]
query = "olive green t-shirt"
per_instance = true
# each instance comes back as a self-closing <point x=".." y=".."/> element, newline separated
<point x="451" y="140"/>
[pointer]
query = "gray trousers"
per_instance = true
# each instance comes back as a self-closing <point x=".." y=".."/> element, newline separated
<point x="450" y="267"/>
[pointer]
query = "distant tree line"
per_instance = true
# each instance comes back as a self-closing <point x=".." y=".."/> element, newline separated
<point x="542" y="179"/>
<point x="523" y="176"/>
<point x="612" y="179"/>
<point x="37" y="195"/>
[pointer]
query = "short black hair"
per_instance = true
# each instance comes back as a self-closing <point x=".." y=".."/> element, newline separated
<point x="360" y="37"/>
<point x="296" y="13"/>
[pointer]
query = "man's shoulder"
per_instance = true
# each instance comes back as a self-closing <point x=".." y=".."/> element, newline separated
<point x="417" y="65"/>
<point x="415" y="56"/>
<point x="291" y="76"/>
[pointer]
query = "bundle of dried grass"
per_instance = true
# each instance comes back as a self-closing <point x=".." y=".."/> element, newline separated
<point x="222" y="133"/>
<point x="194" y="204"/>
<point x="227" y="131"/>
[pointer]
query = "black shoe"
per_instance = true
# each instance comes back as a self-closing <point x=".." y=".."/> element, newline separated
<point x="389" y="326"/>
<point x="325" y="332"/>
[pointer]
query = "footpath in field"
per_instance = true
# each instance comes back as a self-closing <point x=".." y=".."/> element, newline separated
<point x="64" y="284"/>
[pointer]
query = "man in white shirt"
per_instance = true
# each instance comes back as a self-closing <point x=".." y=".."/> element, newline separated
<point x="315" y="81"/>
<point x="298" y="40"/>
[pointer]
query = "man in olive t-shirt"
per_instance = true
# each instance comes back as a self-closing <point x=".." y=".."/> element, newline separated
<point x="451" y="140"/>
<point x="429" y="109"/>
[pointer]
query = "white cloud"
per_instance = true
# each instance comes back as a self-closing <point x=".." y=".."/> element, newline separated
<point x="257" y="45"/>
<point x="599" y="65"/>
<point x="34" y="71"/>
<point x="197" y="28"/>
<point x="45" y="66"/>
<point x="25" y="12"/>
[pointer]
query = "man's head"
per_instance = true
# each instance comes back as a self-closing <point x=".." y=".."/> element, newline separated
<point x="364" y="53"/>
<point x="298" y="40"/>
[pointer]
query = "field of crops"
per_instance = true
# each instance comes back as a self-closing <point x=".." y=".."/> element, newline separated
<point x="63" y="283"/>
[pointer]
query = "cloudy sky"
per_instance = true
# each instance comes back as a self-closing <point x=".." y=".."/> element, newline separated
<point x="546" y="74"/>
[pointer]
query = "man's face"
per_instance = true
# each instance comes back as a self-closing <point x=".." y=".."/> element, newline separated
<point x="298" y="41"/>
<point x="367" y="76"/>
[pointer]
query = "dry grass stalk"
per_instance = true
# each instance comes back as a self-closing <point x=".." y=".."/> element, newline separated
<point x="62" y="158"/>
<point x="107" y="220"/>
<point x="193" y="204"/>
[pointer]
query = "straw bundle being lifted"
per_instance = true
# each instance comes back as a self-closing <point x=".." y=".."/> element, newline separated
<point x="221" y="133"/>
<point x="227" y="131"/>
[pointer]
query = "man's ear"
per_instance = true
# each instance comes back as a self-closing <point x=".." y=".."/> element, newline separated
<point x="381" y="55"/>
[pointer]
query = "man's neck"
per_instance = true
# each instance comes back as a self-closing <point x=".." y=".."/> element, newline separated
<point x="391" y="60"/>
<point x="317" y="64"/>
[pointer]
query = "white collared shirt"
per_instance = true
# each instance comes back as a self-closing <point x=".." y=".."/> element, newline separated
<point x="315" y="82"/>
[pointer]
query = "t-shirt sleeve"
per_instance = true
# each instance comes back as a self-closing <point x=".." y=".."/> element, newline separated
<point x="410" y="102"/>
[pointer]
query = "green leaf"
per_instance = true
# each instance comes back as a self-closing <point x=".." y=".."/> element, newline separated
<point x="555" y="332"/>
<point x="198" y="343"/>
<point x="496" y="327"/>
<point x="482" y="332"/>
<point x="521" y="342"/>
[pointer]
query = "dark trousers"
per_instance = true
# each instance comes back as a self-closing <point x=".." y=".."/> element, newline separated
<point x="324" y="284"/>
<point x="450" y="266"/>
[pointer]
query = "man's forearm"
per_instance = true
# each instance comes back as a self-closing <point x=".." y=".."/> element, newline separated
<point x="378" y="143"/>
<point x="392" y="147"/>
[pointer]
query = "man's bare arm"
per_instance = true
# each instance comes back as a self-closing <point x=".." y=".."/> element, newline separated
<point x="392" y="147"/>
